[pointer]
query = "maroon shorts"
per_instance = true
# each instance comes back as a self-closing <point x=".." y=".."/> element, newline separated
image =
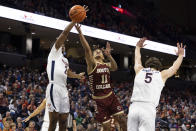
<point x="107" y="107"/>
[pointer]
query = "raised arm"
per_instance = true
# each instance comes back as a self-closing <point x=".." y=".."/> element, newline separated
<point x="63" y="36"/>
<point x="176" y="65"/>
<point x="113" y="65"/>
<point x="40" y="108"/>
<point x="138" y="63"/>
<point x="85" y="45"/>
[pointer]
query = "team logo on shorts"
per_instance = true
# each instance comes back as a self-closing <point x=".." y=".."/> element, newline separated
<point x="49" y="105"/>
<point x="119" y="108"/>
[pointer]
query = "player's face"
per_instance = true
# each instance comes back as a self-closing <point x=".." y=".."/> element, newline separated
<point x="97" y="54"/>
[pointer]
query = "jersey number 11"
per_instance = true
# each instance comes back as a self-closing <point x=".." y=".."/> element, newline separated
<point x="104" y="79"/>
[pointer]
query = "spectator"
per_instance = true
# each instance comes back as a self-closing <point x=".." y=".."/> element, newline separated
<point x="13" y="126"/>
<point x="19" y="127"/>
<point x="3" y="103"/>
<point x="31" y="126"/>
<point x="32" y="106"/>
<point x="7" y="126"/>
<point x="13" y="107"/>
<point x="1" y="123"/>
<point x="7" y="117"/>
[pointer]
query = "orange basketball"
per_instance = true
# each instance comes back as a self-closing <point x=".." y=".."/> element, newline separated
<point x="77" y="13"/>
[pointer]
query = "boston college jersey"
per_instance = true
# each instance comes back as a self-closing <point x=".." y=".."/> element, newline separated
<point x="148" y="85"/>
<point x="99" y="80"/>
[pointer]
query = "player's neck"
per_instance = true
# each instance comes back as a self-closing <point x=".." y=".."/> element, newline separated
<point x="99" y="60"/>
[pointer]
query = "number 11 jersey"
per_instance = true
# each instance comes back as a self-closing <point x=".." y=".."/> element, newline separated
<point x="99" y="80"/>
<point x="148" y="85"/>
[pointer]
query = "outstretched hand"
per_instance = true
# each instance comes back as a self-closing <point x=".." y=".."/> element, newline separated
<point x="140" y="43"/>
<point x="181" y="48"/>
<point x="82" y="76"/>
<point x="86" y="8"/>
<point x="26" y="120"/>
<point x="107" y="50"/>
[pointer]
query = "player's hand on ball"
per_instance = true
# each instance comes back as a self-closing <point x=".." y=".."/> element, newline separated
<point x="108" y="49"/>
<point x="77" y="26"/>
<point x="82" y="76"/>
<point x="86" y="8"/>
<point x="181" y="48"/>
<point x="140" y="43"/>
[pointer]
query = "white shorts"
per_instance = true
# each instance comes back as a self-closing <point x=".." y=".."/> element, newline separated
<point x="57" y="98"/>
<point x="45" y="126"/>
<point x="141" y="117"/>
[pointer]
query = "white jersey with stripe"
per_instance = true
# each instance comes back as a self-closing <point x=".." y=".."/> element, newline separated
<point x="57" y="67"/>
<point x="148" y="85"/>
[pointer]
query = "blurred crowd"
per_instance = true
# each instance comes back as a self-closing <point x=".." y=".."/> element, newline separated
<point x="144" y="20"/>
<point x="8" y="48"/>
<point x="22" y="90"/>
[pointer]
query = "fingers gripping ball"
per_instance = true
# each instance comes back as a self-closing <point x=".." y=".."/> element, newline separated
<point x="77" y="13"/>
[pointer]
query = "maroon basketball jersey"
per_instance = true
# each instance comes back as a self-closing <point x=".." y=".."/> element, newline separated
<point x="99" y="80"/>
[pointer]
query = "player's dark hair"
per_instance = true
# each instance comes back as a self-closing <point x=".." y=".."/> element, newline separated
<point x="153" y="62"/>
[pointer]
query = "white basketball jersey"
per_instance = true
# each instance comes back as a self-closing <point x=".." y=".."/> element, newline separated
<point x="57" y="67"/>
<point x="148" y="85"/>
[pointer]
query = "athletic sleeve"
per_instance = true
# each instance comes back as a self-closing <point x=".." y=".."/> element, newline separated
<point x="54" y="53"/>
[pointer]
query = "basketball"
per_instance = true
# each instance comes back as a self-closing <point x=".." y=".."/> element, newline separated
<point x="77" y="13"/>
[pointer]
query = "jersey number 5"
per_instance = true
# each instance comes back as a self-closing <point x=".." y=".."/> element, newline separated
<point x="148" y="77"/>
<point x="104" y="79"/>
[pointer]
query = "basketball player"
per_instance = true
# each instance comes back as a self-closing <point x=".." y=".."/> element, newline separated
<point x="148" y="85"/>
<point x="57" y="99"/>
<point x="45" y="124"/>
<point x="99" y="76"/>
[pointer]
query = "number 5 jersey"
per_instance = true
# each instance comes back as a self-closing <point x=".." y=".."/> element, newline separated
<point x="148" y="85"/>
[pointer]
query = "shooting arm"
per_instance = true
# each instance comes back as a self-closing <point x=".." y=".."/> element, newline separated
<point x="63" y="36"/>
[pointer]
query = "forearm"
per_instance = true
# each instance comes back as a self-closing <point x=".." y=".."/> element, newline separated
<point x="114" y="65"/>
<point x="72" y="74"/>
<point x="63" y="36"/>
<point x="39" y="109"/>
<point x="176" y="65"/>
<point x="137" y="56"/>
<point x="84" y="42"/>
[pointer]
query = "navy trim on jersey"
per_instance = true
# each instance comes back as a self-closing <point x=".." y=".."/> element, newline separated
<point x="52" y="70"/>
<point x="51" y="96"/>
